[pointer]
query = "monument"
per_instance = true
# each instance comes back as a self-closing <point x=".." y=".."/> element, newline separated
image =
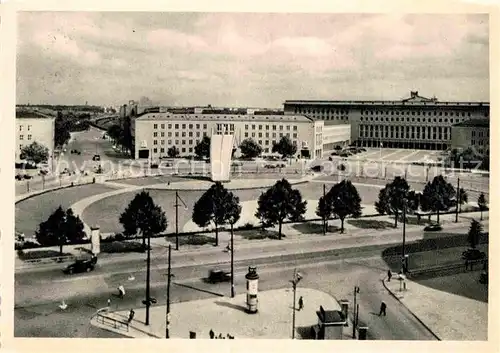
<point x="221" y="149"/>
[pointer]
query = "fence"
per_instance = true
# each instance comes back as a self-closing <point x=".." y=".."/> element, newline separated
<point x="111" y="322"/>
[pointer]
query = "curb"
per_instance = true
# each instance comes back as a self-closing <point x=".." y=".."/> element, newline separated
<point x="411" y="312"/>
<point x="41" y="192"/>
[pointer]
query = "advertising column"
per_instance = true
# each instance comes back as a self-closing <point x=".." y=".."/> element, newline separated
<point x="252" y="289"/>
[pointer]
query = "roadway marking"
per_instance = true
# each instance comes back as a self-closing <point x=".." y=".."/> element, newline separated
<point x="409" y="155"/>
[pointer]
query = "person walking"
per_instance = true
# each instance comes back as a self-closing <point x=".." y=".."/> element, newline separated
<point x="301" y="303"/>
<point x="109" y="303"/>
<point x="389" y="275"/>
<point x="131" y="315"/>
<point x="383" y="308"/>
<point x="121" y="291"/>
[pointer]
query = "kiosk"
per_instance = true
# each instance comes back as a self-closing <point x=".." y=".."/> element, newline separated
<point x="252" y="289"/>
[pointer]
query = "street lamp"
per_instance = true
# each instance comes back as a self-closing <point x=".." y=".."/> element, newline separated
<point x="169" y="276"/>
<point x="296" y="279"/>
<point x="403" y="255"/>
<point x="355" y="313"/>
<point x="177" y="198"/>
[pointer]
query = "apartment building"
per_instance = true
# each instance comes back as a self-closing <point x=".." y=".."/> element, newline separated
<point x="32" y="126"/>
<point x="155" y="133"/>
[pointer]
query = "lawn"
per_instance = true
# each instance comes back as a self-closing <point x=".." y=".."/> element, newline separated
<point x="31" y="212"/>
<point x="370" y="224"/>
<point x="314" y="228"/>
<point x="258" y="234"/>
<point x="106" y="212"/>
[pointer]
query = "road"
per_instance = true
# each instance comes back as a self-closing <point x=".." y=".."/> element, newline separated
<point x="38" y="294"/>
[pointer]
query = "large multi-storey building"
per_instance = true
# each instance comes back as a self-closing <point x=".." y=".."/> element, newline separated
<point x="33" y="126"/>
<point x="155" y="133"/>
<point x="416" y="122"/>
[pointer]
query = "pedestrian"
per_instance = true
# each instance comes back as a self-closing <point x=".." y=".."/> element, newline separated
<point x="389" y="275"/>
<point x="121" y="291"/>
<point x="109" y="303"/>
<point x="212" y="334"/>
<point x="301" y="303"/>
<point x="383" y="308"/>
<point x="131" y="315"/>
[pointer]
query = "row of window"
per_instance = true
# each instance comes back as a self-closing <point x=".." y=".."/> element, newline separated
<point x="405" y="132"/>
<point x="323" y="111"/>
<point x="480" y="134"/>
<point x="163" y="150"/>
<point x="184" y="126"/>
<point x="413" y="112"/>
<point x="418" y="120"/>
<point x="21" y="127"/>
<point x="267" y="134"/>
<point x="479" y="142"/>
<point x="267" y="127"/>
<point x="21" y="137"/>
<point x="179" y="134"/>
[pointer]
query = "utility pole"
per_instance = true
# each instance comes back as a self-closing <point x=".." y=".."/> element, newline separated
<point x="232" y="262"/>
<point x="169" y="275"/>
<point x="355" y="313"/>
<point x="177" y="198"/>
<point x="458" y="200"/>
<point x="324" y="200"/>
<point x="296" y="279"/>
<point x="148" y="279"/>
<point x="404" y="233"/>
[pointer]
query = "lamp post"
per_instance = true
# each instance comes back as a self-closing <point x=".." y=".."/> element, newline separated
<point x="355" y="313"/>
<point x="296" y="279"/>
<point x="324" y="200"/>
<point x="458" y="200"/>
<point x="232" y="261"/>
<point x="177" y="198"/>
<point x="148" y="279"/>
<point x="404" y="235"/>
<point x="169" y="276"/>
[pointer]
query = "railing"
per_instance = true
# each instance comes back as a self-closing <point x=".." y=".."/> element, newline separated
<point x="111" y="322"/>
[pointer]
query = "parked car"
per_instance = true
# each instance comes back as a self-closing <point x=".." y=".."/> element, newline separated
<point x="43" y="172"/>
<point x="19" y="177"/>
<point x="270" y="166"/>
<point x="96" y="157"/>
<point x="216" y="276"/>
<point x="473" y="254"/>
<point x="434" y="227"/>
<point x="79" y="266"/>
<point x="27" y="177"/>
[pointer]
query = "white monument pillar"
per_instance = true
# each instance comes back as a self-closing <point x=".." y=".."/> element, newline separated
<point x="95" y="239"/>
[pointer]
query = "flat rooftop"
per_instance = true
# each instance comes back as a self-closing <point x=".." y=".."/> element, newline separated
<point x="223" y="117"/>
<point x="386" y="103"/>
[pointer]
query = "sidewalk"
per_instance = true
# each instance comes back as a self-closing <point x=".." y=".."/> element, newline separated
<point x="451" y="316"/>
<point x="227" y="316"/>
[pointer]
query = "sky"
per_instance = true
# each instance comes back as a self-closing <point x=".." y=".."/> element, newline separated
<point x="248" y="60"/>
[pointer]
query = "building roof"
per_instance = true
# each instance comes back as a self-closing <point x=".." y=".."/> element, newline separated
<point x="29" y="114"/>
<point x="330" y="316"/>
<point x="414" y="99"/>
<point x="478" y="122"/>
<point x="224" y="117"/>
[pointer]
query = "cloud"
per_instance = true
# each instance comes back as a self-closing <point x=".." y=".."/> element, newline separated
<point x="249" y="59"/>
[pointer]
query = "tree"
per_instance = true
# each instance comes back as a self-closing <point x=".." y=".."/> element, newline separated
<point x="345" y="201"/>
<point x="250" y="149"/>
<point x="202" y="148"/>
<point x="143" y="216"/>
<point x="324" y="210"/>
<point x="482" y="204"/>
<point x="216" y="205"/>
<point x="394" y="197"/>
<point x="285" y="147"/>
<point x="61" y="130"/>
<point x="173" y="152"/>
<point x="462" y="198"/>
<point x="280" y="202"/>
<point x="60" y="229"/>
<point x="115" y="132"/>
<point x="438" y="196"/>
<point x="35" y="153"/>
<point x="475" y="231"/>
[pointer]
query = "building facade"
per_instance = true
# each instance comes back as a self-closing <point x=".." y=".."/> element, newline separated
<point x="155" y="133"/>
<point x="416" y="122"/>
<point x="473" y="133"/>
<point x="31" y="127"/>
